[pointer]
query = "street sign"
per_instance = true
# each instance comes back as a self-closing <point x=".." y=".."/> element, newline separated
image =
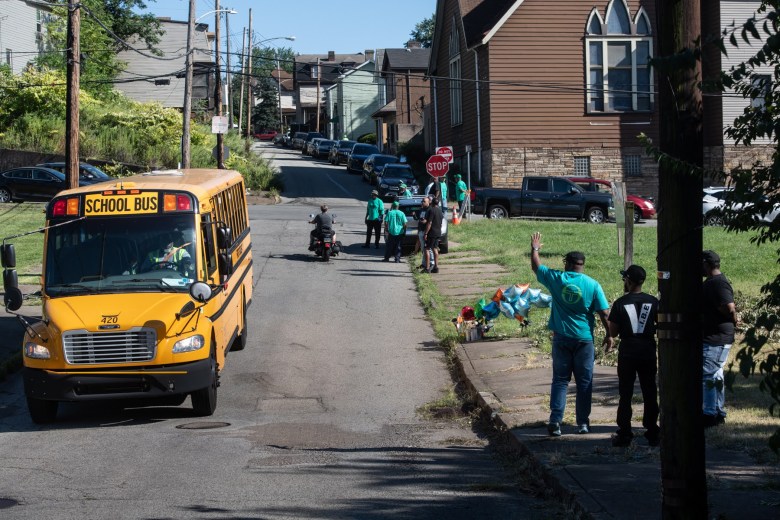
<point x="437" y="166"/>
<point x="446" y="152"/>
<point x="219" y="125"/>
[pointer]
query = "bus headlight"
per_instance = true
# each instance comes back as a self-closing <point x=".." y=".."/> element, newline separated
<point x="189" y="344"/>
<point x="35" y="351"/>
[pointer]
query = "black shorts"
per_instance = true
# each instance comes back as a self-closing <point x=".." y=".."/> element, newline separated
<point x="432" y="242"/>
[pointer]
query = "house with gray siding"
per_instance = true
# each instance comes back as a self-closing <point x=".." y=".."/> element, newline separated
<point x="150" y="79"/>
<point x="357" y="97"/>
<point x="22" y="32"/>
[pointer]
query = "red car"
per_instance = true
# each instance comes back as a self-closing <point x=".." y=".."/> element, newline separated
<point x="267" y="135"/>
<point x="643" y="208"/>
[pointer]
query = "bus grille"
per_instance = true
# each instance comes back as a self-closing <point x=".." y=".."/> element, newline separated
<point x="86" y="348"/>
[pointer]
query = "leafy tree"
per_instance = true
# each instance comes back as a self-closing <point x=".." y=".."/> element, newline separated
<point x="423" y="31"/>
<point x="265" y="115"/>
<point x="758" y="185"/>
<point x="99" y="63"/>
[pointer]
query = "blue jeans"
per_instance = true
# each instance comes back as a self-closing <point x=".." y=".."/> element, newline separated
<point x="571" y="355"/>
<point x="713" y="395"/>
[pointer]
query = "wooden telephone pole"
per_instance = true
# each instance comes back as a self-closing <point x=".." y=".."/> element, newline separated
<point x="218" y="88"/>
<point x="683" y="477"/>
<point x="250" y="96"/>
<point x="187" y="108"/>
<point x="72" y="95"/>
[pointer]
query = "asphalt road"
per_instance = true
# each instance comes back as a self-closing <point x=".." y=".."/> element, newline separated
<point x="316" y="417"/>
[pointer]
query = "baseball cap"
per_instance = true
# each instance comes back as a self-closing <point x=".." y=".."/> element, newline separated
<point x="374" y="192"/>
<point x="711" y="257"/>
<point x="456" y="176"/>
<point x="402" y="185"/>
<point x="575" y="257"/>
<point x="635" y="273"/>
<point x="395" y="204"/>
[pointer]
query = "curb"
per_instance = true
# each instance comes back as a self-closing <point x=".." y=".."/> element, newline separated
<point x="489" y="403"/>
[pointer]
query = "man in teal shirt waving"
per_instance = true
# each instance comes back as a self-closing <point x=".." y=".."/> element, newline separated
<point x="575" y="298"/>
<point x="395" y="226"/>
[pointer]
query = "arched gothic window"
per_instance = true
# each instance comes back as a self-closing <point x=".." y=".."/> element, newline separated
<point x="617" y="53"/>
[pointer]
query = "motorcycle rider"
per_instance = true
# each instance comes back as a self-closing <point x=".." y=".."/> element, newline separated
<point x="323" y="221"/>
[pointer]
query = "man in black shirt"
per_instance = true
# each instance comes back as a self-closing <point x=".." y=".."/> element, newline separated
<point x="433" y="235"/>
<point x="719" y="317"/>
<point x="322" y="221"/>
<point x="633" y="318"/>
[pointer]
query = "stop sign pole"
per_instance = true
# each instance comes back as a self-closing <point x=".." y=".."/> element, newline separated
<point x="437" y="166"/>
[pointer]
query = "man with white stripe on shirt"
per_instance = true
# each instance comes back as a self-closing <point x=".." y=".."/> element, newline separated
<point x="633" y="318"/>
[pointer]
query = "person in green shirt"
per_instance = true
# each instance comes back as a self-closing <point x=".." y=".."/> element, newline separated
<point x="460" y="192"/>
<point x="374" y="211"/>
<point x="395" y="226"/>
<point x="443" y="190"/>
<point x="403" y="192"/>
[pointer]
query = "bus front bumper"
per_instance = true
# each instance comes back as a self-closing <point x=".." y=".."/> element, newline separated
<point x="127" y="383"/>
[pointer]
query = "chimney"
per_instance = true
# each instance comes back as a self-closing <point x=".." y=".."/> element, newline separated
<point x="369" y="54"/>
<point x="331" y="55"/>
<point x="413" y="44"/>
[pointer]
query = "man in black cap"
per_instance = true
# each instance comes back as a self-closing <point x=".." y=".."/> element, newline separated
<point x="719" y="318"/>
<point x="576" y="298"/>
<point x="633" y="318"/>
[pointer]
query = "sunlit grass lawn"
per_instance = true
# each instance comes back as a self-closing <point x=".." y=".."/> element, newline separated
<point x="20" y="218"/>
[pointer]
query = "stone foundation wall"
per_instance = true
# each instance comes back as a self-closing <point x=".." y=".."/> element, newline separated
<point x="507" y="167"/>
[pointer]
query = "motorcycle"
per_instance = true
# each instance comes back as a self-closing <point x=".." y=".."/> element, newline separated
<point x="324" y="245"/>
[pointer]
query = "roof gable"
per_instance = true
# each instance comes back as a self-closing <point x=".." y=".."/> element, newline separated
<point x="485" y="19"/>
<point x="406" y="59"/>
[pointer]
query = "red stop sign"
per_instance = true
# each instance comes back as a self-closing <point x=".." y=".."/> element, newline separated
<point x="437" y="166"/>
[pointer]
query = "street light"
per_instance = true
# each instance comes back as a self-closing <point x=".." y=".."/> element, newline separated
<point x="187" y="108"/>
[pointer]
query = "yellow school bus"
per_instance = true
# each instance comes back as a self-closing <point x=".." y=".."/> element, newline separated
<point x="146" y="282"/>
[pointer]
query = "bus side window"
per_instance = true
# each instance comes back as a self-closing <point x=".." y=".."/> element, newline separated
<point x="208" y="242"/>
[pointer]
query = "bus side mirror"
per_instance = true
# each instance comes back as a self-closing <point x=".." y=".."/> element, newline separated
<point x="8" y="255"/>
<point x="13" y="296"/>
<point x="200" y="292"/>
<point x="225" y="264"/>
<point x="224" y="237"/>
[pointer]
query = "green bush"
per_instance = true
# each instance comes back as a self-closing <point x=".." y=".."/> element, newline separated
<point x="367" y="139"/>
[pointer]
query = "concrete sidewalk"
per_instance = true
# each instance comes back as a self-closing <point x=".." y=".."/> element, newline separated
<point x="511" y="380"/>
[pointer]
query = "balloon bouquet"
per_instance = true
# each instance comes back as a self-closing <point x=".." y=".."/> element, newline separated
<point x="514" y="302"/>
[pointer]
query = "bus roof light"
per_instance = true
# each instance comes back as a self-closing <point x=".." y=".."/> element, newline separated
<point x="73" y="206"/>
<point x="169" y="202"/>
<point x="58" y="210"/>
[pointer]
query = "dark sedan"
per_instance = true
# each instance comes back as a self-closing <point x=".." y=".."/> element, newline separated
<point x="30" y="183"/>
<point x="392" y="176"/>
<point x="340" y="152"/>
<point x="322" y="149"/>
<point x="88" y="174"/>
<point x="359" y="153"/>
<point x="373" y="166"/>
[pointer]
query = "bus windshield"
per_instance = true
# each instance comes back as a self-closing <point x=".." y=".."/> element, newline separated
<point x="120" y="254"/>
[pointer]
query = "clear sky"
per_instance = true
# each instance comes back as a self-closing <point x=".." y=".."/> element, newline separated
<point x="344" y="26"/>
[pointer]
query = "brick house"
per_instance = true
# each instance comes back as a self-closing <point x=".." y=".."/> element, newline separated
<point x="561" y="91"/>
<point x="407" y="92"/>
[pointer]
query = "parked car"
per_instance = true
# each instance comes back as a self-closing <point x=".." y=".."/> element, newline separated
<point x="88" y="174"/>
<point x="643" y="207"/>
<point x="717" y="204"/>
<point x="373" y="166"/>
<point x="358" y="154"/>
<point x="308" y="148"/>
<point x="392" y="176"/>
<point x="340" y="152"/>
<point x="30" y="183"/>
<point x="411" y="208"/>
<point x="266" y="135"/>
<point x="280" y="139"/>
<point x="307" y="140"/>
<point x="322" y="149"/>
<point x="545" y="197"/>
<point x="298" y="140"/>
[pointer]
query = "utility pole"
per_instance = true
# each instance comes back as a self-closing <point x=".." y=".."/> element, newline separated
<point x="249" y="80"/>
<point x="187" y="108"/>
<point x="218" y="88"/>
<point x="229" y="89"/>
<point x="72" y="95"/>
<point x="243" y="80"/>
<point x="683" y="477"/>
<point x="318" y="94"/>
<point x="279" y="83"/>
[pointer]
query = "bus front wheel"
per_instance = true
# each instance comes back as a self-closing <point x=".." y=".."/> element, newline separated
<point x="41" y="410"/>
<point x="204" y="401"/>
